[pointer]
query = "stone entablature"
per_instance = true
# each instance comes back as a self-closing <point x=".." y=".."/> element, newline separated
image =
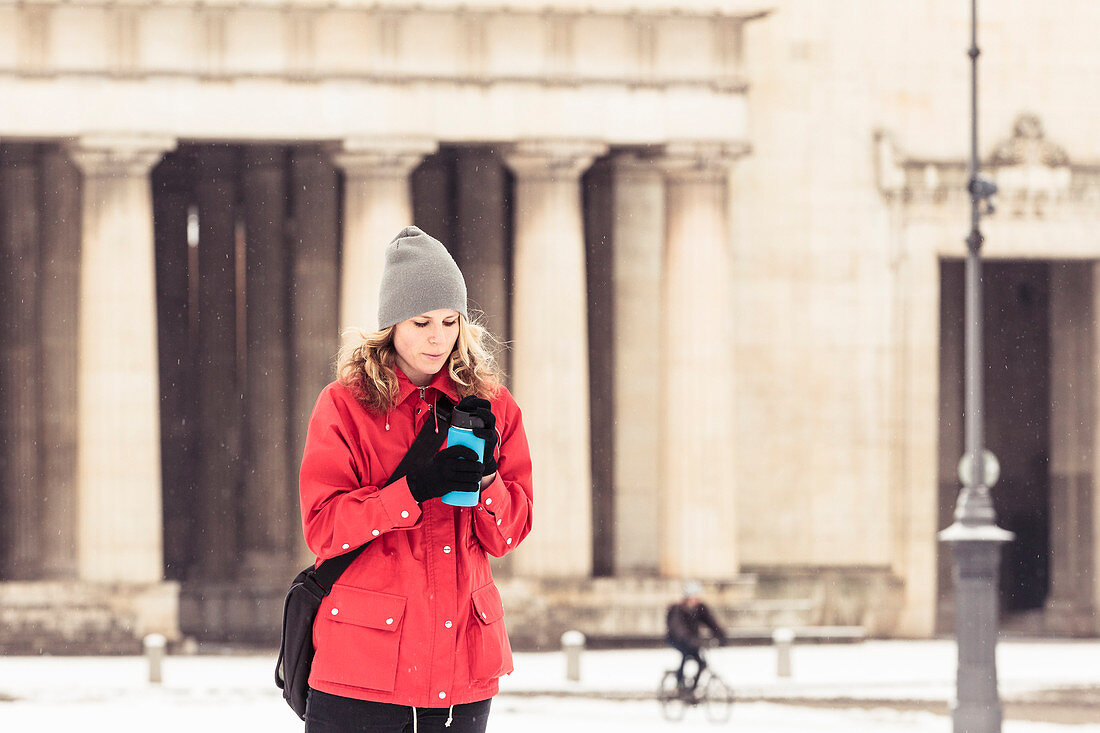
<point x="1035" y="177"/>
<point x="551" y="43"/>
<point x="624" y="73"/>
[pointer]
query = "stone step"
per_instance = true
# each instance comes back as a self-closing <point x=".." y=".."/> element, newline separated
<point x="74" y="617"/>
<point x="615" y="611"/>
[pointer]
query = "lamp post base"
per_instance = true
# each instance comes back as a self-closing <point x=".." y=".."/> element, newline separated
<point x="976" y="718"/>
<point x="977" y="554"/>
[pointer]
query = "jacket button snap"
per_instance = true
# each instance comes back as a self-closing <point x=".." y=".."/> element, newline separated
<point x="508" y="541"/>
<point x="404" y="515"/>
<point x="446" y="549"/>
<point x="488" y="502"/>
<point x="389" y="621"/>
<point x="442" y="695"/>
<point x="448" y="624"/>
<point x="345" y="546"/>
<point x="374" y="532"/>
<point x="335" y="611"/>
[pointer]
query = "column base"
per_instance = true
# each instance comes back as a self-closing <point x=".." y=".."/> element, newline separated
<point x="78" y="617"/>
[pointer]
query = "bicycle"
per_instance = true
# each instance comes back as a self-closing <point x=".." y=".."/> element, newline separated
<point x="710" y="691"/>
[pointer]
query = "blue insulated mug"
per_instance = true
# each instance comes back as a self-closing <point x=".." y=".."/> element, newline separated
<point x="461" y="432"/>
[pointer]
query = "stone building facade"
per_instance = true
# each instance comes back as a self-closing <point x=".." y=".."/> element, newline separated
<point x="721" y="240"/>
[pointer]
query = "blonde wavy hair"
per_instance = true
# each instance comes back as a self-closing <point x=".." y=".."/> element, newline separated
<point x="366" y="364"/>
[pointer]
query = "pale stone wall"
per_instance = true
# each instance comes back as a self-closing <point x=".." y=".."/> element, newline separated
<point x="838" y="377"/>
<point x="812" y="280"/>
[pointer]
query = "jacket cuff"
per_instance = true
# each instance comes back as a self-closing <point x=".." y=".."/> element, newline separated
<point x="493" y="496"/>
<point x="399" y="504"/>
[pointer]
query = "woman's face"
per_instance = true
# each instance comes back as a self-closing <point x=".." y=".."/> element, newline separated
<point x="424" y="343"/>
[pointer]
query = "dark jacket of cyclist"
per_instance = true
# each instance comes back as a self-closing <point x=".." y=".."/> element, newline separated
<point x="686" y="619"/>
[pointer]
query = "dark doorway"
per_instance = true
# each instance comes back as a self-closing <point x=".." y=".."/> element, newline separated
<point x="1017" y="357"/>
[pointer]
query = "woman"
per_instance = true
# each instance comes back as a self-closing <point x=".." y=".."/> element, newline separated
<point x="412" y="636"/>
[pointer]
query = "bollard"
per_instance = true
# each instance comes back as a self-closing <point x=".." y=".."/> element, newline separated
<point x="154" y="652"/>
<point x="572" y="642"/>
<point x="783" y="639"/>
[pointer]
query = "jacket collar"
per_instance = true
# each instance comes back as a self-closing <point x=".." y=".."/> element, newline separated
<point x="441" y="382"/>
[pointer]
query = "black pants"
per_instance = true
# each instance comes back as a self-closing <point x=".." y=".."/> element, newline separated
<point x="334" y="714"/>
<point x="689" y="652"/>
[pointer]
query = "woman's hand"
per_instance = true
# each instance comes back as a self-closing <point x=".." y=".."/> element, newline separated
<point x="455" y="468"/>
<point x="481" y="409"/>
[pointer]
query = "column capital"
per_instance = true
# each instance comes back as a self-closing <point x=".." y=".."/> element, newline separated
<point x="699" y="159"/>
<point x="382" y="157"/>
<point x="552" y="159"/>
<point x="118" y="155"/>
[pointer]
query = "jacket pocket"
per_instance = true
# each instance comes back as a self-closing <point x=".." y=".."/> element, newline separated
<point x="486" y="638"/>
<point x="357" y="636"/>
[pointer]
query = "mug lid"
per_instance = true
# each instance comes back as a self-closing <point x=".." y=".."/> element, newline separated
<point x="463" y="419"/>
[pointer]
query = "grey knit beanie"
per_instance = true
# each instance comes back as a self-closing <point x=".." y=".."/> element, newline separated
<point x="419" y="276"/>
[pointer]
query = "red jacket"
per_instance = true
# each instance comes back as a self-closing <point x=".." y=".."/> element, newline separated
<point x="416" y="619"/>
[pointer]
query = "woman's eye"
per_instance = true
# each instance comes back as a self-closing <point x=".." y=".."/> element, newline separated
<point x="418" y="324"/>
<point x="448" y="324"/>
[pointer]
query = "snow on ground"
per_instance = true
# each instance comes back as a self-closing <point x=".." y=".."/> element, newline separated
<point x="871" y="670"/>
<point x="214" y="693"/>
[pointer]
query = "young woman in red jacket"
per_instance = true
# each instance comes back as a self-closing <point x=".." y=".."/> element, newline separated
<point x="412" y="636"/>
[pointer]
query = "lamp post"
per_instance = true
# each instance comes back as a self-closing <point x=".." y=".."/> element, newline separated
<point x="974" y="536"/>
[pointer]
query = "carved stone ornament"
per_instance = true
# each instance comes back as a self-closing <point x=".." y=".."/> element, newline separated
<point x="1034" y="175"/>
<point x="1028" y="146"/>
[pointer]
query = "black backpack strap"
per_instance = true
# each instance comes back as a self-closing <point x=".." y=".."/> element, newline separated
<point x="425" y="445"/>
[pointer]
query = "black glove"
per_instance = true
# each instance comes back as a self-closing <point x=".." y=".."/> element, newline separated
<point x="479" y="407"/>
<point x="452" y="469"/>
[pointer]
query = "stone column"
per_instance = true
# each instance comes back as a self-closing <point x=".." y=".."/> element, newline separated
<point x="624" y="211"/>
<point x="637" y="244"/>
<point x="550" y="355"/>
<point x="179" y="375"/>
<point x="1073" y="417"/>
<point x="60" y="294"/>
<point x="314" y="284"/>
<point x="118" y="448"/>
<point x="377" y="204"/>
<point x="916" y="406"/>
<point x="269" y="531"/>
<point x="20" y="360"/>
<point x="482" y="237"/>
<point x="698" y="454"/>
<point x="219" y="396"/>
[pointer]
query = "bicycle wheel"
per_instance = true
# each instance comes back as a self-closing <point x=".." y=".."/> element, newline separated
<point x="672" y="703"/>
<point x="718" y="697"/>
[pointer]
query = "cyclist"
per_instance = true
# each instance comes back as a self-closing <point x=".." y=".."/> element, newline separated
<point x="686" y="619"/>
